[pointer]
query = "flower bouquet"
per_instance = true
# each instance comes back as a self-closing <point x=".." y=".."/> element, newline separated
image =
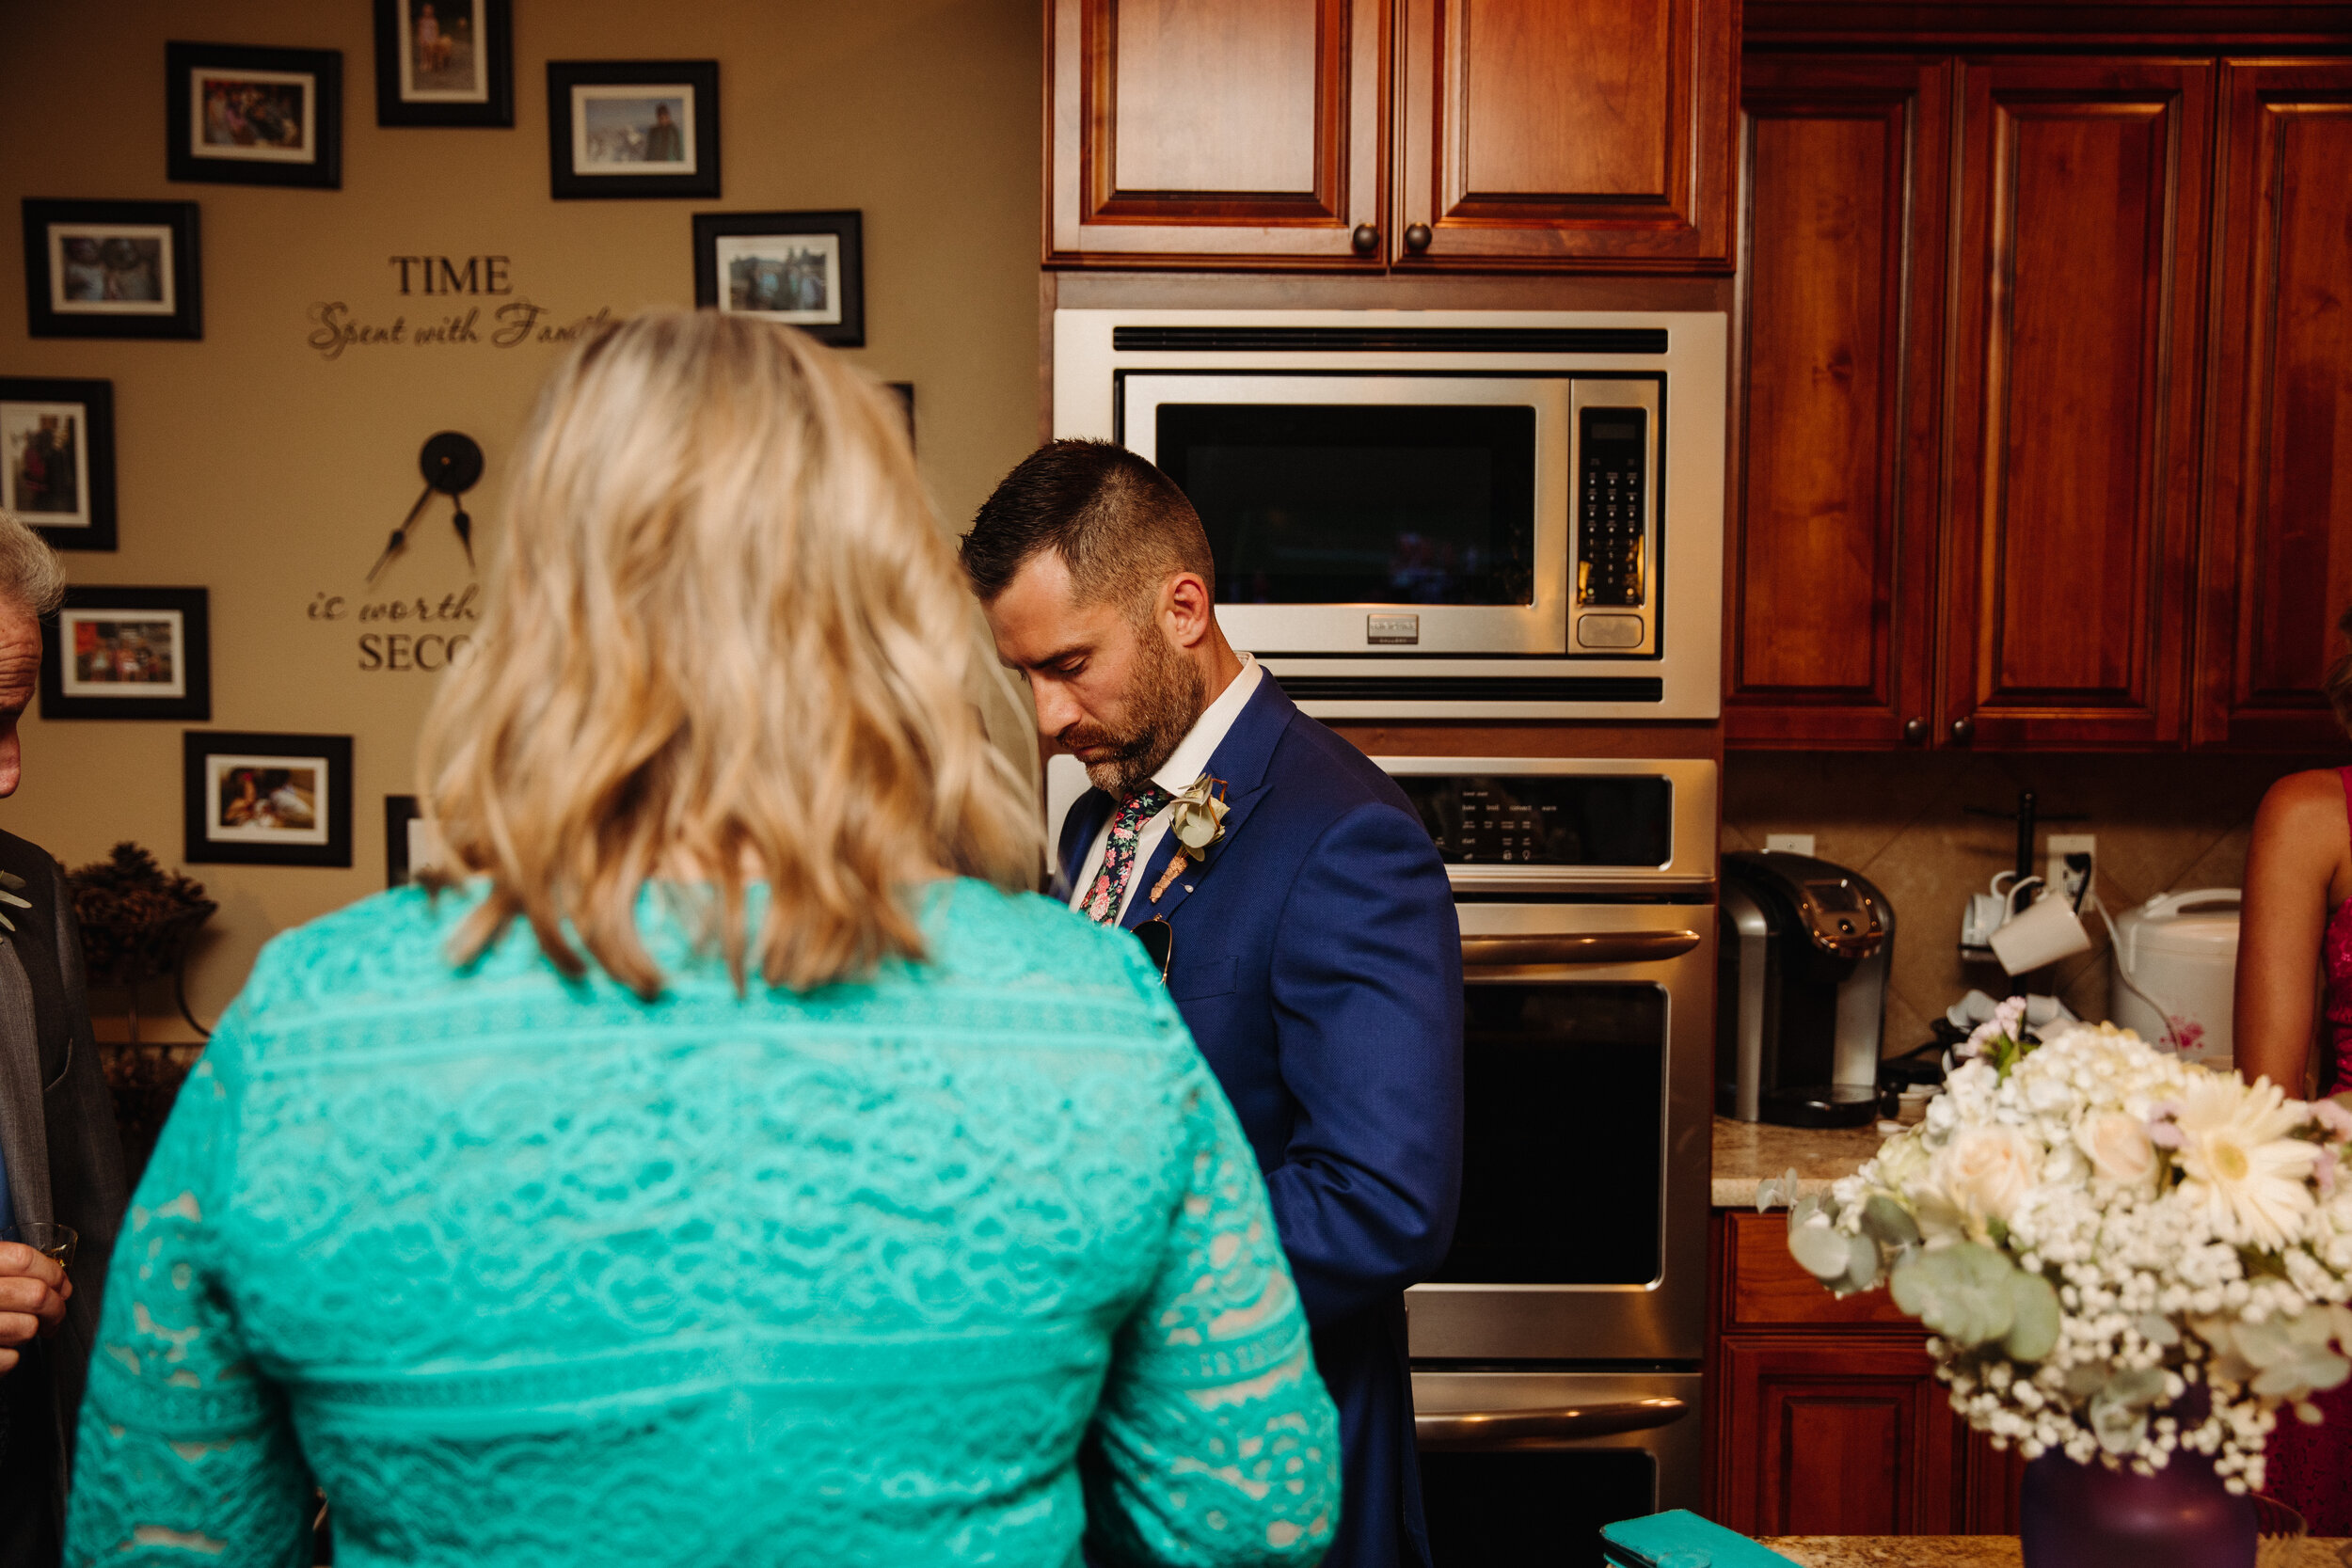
<point x="2091" y="1228"/>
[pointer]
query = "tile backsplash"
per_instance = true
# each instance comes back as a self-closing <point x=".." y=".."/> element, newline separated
<point x="2164" y="824"/>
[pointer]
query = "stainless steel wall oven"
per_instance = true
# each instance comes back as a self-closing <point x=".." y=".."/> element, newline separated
<point x="1556" y="1352"/>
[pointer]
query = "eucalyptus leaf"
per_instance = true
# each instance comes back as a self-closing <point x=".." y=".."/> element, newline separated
<point x="1820" y="1251"/>
<point x="1962" y="1292"/>
<point x="1862" y="1270"/>
<point x="1888" y="1223"/>
<point x="2033" y="1333"/>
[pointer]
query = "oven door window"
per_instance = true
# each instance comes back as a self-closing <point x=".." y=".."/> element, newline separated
<point x="1359" y="503"/>
<point x="1546" y="1507"/>
<point x="1564" y="1135"/>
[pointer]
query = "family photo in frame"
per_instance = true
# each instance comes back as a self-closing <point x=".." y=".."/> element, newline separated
<point x="128" y="652"/>
<point x="242" y="115"/>
<point x="112" y="269"/>
<point x="445" y="62"/>
<point x="267" y="799"/>
<point x="57" y="459"/>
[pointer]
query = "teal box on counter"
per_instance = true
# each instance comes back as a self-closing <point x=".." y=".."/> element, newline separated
<point x="1680" y="1539"/>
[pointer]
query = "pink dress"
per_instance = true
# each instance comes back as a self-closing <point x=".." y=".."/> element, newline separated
<point x="2310" y="1469"/>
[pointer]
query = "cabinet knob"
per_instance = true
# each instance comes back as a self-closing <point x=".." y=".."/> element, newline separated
<point x="1417" y="238"/>
<point x="1366" y="238"/>
<point x="1964" y="731"/>
<point x="1914" y="731"/>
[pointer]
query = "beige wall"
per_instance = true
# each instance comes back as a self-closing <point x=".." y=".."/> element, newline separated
<point x="2164" y="824"/>
<point x="250" y="464"/>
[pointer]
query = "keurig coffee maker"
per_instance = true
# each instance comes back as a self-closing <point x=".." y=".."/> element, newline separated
<point x="1801" y="991"/>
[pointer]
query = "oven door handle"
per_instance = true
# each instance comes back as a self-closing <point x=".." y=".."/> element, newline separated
<point x="1585" y="947"/>
<point x="1476" y="1431"/>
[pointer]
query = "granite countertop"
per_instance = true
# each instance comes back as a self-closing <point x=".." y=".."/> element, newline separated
<point x="1748" y="1153"/>
<point x="1975" y="1551"/>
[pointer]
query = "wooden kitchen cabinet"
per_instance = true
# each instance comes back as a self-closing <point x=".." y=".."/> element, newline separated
<point x="1521" y="134"/>
<point x="1838" y="322"/>
<point x="1824" y="1415"/>
<point x="2077" y="384"/>
<point x="1559" y="135"/>
<point x="1217" y="132"/>
<point x="2276" y="567"/>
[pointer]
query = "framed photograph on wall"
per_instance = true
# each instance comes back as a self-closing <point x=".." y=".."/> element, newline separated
<point x="632" y="128"/>
<point x="112" y="269"/>
<point x="57" y="459"/>
<point x="267" y="799"/>
<point x="239" y="116"/>
<point x="804" y="269"/>
<point x="128" y="652"/>
<point x="445" y="62"/>
<point x="412" y="844"/>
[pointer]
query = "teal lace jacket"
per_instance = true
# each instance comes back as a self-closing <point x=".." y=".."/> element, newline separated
<point x="951" y="1266"/>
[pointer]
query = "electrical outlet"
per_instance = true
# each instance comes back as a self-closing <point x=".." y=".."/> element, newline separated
<point x="1788" y="843"/>
<point x="2057" y="877"/>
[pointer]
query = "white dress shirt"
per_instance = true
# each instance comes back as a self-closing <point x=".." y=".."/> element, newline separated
<point x="1187" y="762"/>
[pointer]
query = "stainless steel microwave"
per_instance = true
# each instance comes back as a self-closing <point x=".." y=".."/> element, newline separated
<point x="1422" y="512"/>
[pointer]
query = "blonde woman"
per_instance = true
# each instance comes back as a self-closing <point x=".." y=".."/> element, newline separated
<point x="736" y="1167"/>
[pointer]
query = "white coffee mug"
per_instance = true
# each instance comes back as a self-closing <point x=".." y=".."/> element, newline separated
<point x="2044" y="932"/>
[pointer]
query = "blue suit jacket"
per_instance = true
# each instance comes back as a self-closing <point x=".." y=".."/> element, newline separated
<point x="1318" y="963"/>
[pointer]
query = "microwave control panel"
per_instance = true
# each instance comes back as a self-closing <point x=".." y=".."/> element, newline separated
<point x="1613" y="503"/>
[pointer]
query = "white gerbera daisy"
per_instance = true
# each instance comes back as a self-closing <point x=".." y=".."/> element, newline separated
<point x="2250" y="1179"/>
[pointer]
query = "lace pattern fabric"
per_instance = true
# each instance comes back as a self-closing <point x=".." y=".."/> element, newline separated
<point x="949" y="1266"/>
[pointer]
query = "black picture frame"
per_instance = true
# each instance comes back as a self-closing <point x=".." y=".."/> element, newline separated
<point x="401" y="99"/>
<point x="905" y="391"/>
<point x="723" y="239"/>
<point x="68" y="689"/>
<point x="191" y="157"/>
<point x="24" y="401"/>
<point x="209" y="755"/>
<point x="572" y="177"/>
<point x="164" y="258"/>
<point x="398" y="811"/>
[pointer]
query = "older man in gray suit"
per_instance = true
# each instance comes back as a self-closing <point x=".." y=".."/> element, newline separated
<point x="60" y="1161"/>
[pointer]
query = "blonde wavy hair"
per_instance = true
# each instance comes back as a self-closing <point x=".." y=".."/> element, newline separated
<point x="724" y="643"/>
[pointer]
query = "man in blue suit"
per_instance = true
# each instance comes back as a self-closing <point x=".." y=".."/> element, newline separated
<point x="1312" y="948"/>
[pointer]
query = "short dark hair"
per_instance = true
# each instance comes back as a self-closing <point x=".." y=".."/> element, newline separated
<point x="1118" y="524"/>
<point x="2339" y="686"/>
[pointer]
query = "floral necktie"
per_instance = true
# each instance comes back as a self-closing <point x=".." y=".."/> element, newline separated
<point x="1109" y="889"/>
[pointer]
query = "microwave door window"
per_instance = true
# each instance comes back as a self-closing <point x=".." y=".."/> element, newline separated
<point x="1359" y="503"/>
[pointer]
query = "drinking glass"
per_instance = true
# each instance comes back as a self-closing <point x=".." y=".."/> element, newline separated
<point x="52" y="1241"/>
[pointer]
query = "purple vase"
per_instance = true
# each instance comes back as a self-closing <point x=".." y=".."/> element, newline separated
<point x="2088" y="1517"/>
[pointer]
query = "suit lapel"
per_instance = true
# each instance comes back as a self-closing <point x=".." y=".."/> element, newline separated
<point x="1078" y="829"/>
<point x="23" y="1127"/>
<point x="1241" y="760"/>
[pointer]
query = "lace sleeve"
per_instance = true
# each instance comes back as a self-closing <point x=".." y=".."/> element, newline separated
<point x="1214" y="1442"/>
<point x="186" y="1455"/>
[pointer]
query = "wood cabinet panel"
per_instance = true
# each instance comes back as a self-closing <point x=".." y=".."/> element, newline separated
<point x="2075" y="386"/>
<point x="1215" y="131"/>
<point x="1764" y="1287"/>
<point x="1560" y="134"/>
<point x="2278" y="525"/>
<point x="1850" y="1435"/>
<point x="1837" y="323"/>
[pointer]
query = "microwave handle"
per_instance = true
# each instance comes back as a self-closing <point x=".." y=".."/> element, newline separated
<point x="1473" y="1430"/>
<point x="1586" y="948"/>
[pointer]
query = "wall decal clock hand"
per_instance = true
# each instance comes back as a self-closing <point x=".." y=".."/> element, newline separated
<point x="452" y="465"/>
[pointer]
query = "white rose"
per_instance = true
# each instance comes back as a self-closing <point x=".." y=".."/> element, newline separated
<point x="1901" y="1163"/>
<point x="2117" y="1144"/>
<point x="1986" y="1170"/>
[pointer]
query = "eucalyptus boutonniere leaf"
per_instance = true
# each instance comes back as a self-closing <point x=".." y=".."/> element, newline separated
<point x="1197" y="819"/>
<point x="11" y="892"/>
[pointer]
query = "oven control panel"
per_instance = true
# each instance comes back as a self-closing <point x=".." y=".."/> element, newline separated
<point x="1623" y="820"/>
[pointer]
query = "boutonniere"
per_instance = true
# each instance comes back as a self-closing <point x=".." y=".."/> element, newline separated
<point x="1196" y="817"/>
<point x="11" y="889"/>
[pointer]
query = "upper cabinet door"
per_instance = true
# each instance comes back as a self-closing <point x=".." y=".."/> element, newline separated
<point x="2278" y="543"/>
<point x="2075" y="388"/>
<point x="1566" y="135"/>
<point x="1215" y="132"/>
<point x="1839" y="326"/>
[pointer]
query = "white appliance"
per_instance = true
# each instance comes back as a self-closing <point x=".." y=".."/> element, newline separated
<point x="1455" y="513"/>
<point x="2174" y="969"/>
